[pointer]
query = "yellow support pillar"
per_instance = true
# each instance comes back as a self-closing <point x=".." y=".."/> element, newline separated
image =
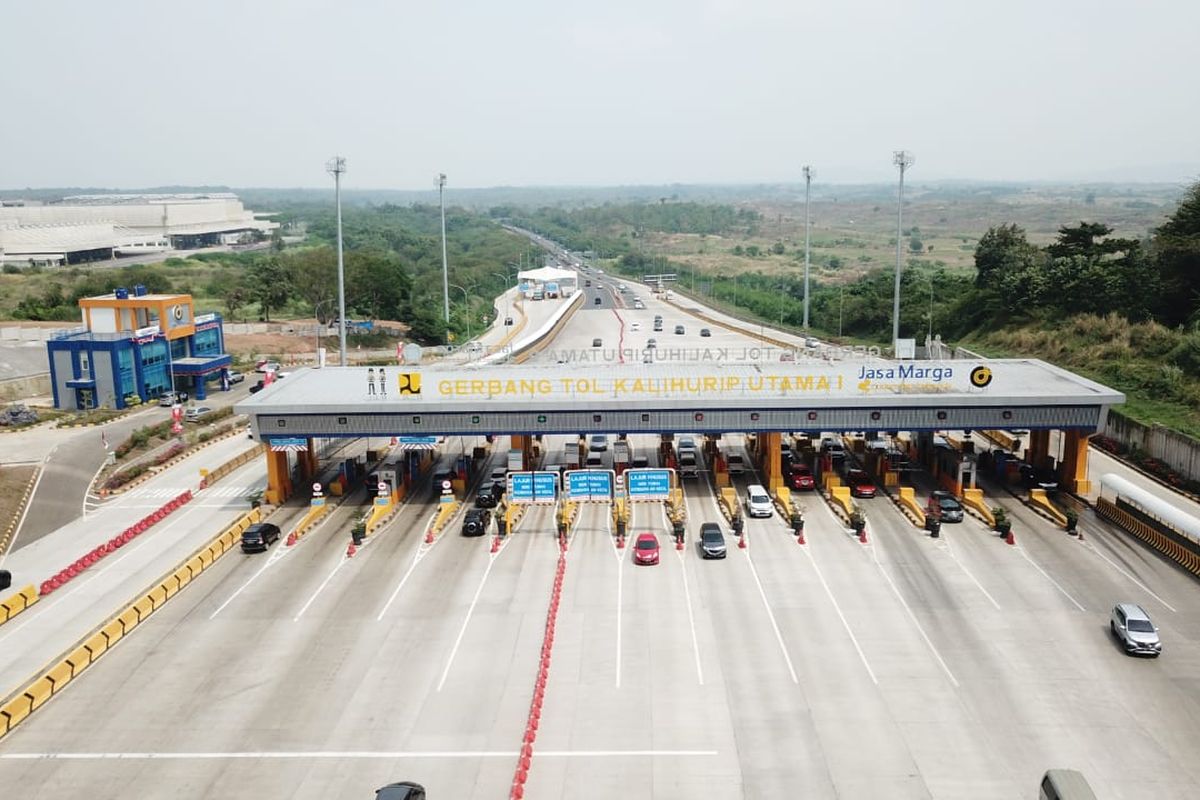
<point x="772" y="467"/>
<point x="279" y="482"/>
<point x="525" y="445"/>
<point x="1075" y="462"/>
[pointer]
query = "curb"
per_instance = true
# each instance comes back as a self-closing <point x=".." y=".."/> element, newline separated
<point x="34" y="694"/>
<point x="6" y="539"/>
<point x="150" y="473"/>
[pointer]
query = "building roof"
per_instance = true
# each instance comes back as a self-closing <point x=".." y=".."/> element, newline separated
<point x="544" y="274"/>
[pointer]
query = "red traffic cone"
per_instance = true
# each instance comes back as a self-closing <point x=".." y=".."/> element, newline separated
<point x="351" y="550"/>
<point x="679" y="544"/>
<point x="862" y="536"/>
<point x="1010" y="538"/>
<point x="800" y="537"/>
<point x="291" y="540"/>
<point x="741" y="541"/>
<point x="429" y="536"/>
<point x="495" y="544"/>
<point x="620" y="541"/>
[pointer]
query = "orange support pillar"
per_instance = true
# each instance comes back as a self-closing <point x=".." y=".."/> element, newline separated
<point x="1075" y="462"/>
<point x="525" y="445"/>
<point x="772" y="466"/>
<point x="279" y="482"/>
<point x="308" y="462"/>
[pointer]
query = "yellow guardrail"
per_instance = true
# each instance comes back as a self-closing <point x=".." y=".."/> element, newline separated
<point x="1038" y="499"/>
<point x="219" y="472"/>
<point x="908" y="501"/>
<point x="34" y="695"/>
<point x="16" y="603"/>
<point x="1183" y="556"/>
<point x="973" y="499"/>
<point x="444" y="515"/>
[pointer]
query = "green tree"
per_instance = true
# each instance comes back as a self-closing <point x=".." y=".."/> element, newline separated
<point x="268" y="285"/>
<point x="1176" y="248"/>
<point x="777" y="248"/>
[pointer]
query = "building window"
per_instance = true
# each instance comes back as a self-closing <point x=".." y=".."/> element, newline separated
<point x="85" y="366"/>
<point x="206" y="343"/>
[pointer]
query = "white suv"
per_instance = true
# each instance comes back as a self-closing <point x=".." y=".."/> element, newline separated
<point x="758" y="502"/>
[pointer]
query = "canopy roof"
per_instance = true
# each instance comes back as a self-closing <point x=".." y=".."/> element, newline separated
<point x="545" y="274"/>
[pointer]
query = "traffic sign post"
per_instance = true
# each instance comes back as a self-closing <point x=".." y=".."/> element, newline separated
<point x="532" y="487"/>
<point x="648" y="484"/>
<point x="589" y="484"/>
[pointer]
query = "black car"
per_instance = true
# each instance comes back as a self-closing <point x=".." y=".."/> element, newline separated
<point x="489" y="496"/>
<point x="945" y="507"/>
<point x="712" y="541"/>
<point x="598" y="301"/>
<point x="256" y="387"/>
<point x="405" y="790"/>
<point x="705" y="332"/>
<point x="476" y="521"/>
<point x="259" y="536"/>
<point x="1035" y="478"/>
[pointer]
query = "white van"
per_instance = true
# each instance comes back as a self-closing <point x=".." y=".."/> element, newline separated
<point x="758" y="502"/>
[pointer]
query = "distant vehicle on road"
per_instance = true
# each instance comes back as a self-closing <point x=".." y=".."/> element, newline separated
<point x="679" y="330"/>
<point x="1036" y="478"/>
<point x="705" y="333"/>
<point x="860" y="483"/>
<point x="1131" y="625"/>
<point x="599" y="443"/>
<point x="267" y="366"/>
<point x="236" y="377"/>
<point x="645" y="549"/>
<point x="476" y="522"/>
<point x="196" y="412"/>
<point x="712" y="541"/>
<point x="169" y="399"/>
<point x="758" y="502"/>
<point x="259" y="536"/>
<point x="800" y="477"/>
<point x="945" y="506"/>
<point x="735" y="464"/>
<point x="688" y="465"/>
<point x="257" y="387"/>
<point x="404" y="790"/>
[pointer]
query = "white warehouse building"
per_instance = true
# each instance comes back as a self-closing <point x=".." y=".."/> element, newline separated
<point x="95" y="227"/>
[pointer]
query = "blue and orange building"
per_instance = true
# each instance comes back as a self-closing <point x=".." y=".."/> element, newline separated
<point x="134" y="347"/>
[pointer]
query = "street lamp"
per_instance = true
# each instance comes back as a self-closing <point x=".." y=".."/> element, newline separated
<point x="902" y="159"/>
<point x="507" y="296"/>
<point x="930" y="340"/>
<point x="336" y="167"/>
<point x="467" y="303"/>
<point x="809" y="173"/>
<point x="441" y="184"/>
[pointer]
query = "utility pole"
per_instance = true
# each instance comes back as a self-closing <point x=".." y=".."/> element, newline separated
<point x="336" y="167"/>
<point x="808" y="176"/>
<point x="441" y="184"/>
<point x="902" y="159"/>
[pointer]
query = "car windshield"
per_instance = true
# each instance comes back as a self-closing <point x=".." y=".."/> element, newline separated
<point x="759" y="498"/>
<point x="735" y="459"/>
<point x="711" y="537"/>
<point x="1140" y="626"/>
<point x="646" y="544"/>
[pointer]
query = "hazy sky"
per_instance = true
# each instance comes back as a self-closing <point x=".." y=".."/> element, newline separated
<point x="126" y="93"/>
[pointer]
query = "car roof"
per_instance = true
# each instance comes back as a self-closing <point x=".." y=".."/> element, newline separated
<point x="1133" y="611"/>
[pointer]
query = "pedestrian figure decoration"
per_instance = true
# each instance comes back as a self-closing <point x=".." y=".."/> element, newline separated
<point x="382" y="383"/>
<point x="370" y="380"/>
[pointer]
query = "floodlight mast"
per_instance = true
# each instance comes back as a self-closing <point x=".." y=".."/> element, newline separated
<point x="336" y="167"/>
<point x="441" y="184"/>
<point x="902" y="159"/>
<point x="809" y="174"/>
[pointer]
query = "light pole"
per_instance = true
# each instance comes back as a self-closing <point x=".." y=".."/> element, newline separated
<point x="902" y="159"/>
<point x="808" y="176"/>
<point x="782" y="297"/>
<point x="930" y="308"/>
<point x="336" y="167"/>
<point x="467" y="303"/>
<point x="841" y="307"/>
<point x="441" y="184"/>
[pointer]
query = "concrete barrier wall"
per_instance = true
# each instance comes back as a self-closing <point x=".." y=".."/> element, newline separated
<point x="1177" y="450"/>
<point x="25" y="386"/>
<point x="17" y="708"/>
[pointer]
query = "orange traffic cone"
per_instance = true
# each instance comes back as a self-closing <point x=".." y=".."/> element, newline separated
<point x="495" y="544"/>
<point x="741" y="541"/>
<point x="351" y="550"/>
<point x="862" y="536"/>
<point x="1010" y="538"/>
<point x="291" y="540"/>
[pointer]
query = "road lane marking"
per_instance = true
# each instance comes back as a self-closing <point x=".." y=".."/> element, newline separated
<point x="420" y="553"/>
<point x="838" y="609"/>
<point x="617" y="552"/>
<point x="770" y="614"/>
<point x="1121" y="570"/>
<point x="1046" y="575"/>
<point x="343" y="560"/>
<point x="913" y="617"/>
<point x="687" y="596"/>
<point x="276" y="554"/>
<point x="467" y="620"/>
<point x="950" y="552"/>
<point x="350" y="754"/>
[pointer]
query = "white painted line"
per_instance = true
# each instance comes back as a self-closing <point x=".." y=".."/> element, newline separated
<point x="950" y="552"/>
<point x="687" y="598"/>
<point x="619" y="554"/>
<point x="343" y="560"/>
<point x="1135" y="581"/>
<point x="913" y="617"/>
<point x="467" y="620"/>
<point x="1046" y="575"/>
<point x="84" y="505"/>
<point x="29" y="502"/>
<point x="838" y="610"/>
<point x="350" y="754"/>
<point x="276" y="554"/>
<point x="771" y="615"/>
<point x="421" y="551"/>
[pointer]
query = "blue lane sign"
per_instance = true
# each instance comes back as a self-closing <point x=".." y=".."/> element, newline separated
<point x="532" y="487"/>
<point x="295" y="443"/>
<point x="648" y="484"/>
<point x="589" y="484"/>
<point x="418" y="440"/>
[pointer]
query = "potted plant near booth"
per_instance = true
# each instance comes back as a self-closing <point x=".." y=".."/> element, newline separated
<point x="358" y="532"/>
<point x="1003" y="526"/>
<point x="858" y="521"/>
<point x="1072" y="520"/>
<point x="255" y="498"/>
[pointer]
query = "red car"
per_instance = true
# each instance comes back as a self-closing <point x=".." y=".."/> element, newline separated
<point x="645" y="549"/>
<point x="860" y="483"/>
<point x="801" y="477"/>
